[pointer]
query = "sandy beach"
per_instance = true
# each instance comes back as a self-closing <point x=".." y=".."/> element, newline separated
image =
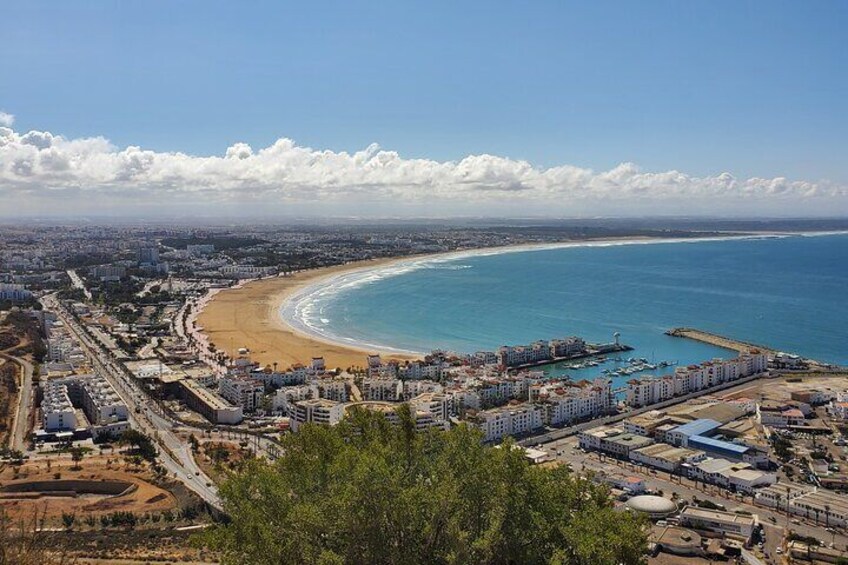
<point x="248" y="316"/>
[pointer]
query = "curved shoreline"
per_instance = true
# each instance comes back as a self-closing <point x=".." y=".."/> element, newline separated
<point x="265" y="315"/>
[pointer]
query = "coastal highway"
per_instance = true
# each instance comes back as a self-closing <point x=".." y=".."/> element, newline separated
<point x="174" y="454"/>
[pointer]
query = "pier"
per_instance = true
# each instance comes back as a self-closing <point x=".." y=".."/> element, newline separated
<point x="719" y="340"/>
<point x="745" y="346"/>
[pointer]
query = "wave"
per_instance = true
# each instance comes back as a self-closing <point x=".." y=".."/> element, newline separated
<point x="304" y="310"/>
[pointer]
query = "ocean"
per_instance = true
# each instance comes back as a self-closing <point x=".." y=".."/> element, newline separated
<point x="789" y="293"/>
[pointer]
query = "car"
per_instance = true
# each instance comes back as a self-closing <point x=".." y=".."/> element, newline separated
<point x="778" y="551"/>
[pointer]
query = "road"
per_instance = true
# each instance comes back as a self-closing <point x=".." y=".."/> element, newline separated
<point x="76" y="281"/>
<point x="174" y="454"/>
<point x="17" y="440"/>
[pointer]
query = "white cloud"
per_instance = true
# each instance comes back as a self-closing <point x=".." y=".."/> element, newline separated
<point x="6" y="119"/>
<point x="38" y="169"/>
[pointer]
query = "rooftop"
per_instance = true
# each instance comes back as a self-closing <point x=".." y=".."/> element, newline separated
<point x="708" y="443"/>
<point x="717" y="516"/>
<point x="207" y="396"/>
<point x="698" y="427"/>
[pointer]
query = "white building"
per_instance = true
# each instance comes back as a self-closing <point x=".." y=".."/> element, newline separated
<point x="57" y="411"/>
<point x="567" y="347"/>
<point x="381" y="390"/>
<point x="417" y="370"/>
<point x="316" y="411"/>
<point x="332" y="389"/>
<point x="242" y="391"/>
<point x="102" y="406"/>
<point x="564" y="403"/>
<point x="685" y="380"/>
<point x="740" y="476"/>
<point x="434" y="403"/>
<point x="512" y="420"/>
<point x="411" y="389"/>
<point x="735" y="525"/>
<point x="209" y="404"/>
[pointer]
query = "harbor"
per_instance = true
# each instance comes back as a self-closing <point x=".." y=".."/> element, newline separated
<point x="592" y="356"/>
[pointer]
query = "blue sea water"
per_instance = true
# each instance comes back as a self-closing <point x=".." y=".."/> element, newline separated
<point x="790" y="293"/>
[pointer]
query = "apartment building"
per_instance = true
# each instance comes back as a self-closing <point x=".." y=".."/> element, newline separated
<point x="381" y="389"/>
<point x="316" y="411"/>
<point x="685" y="380"/>
<point x="434" y="403"/>
<point x="57" y="411"/>
<point x="242" y="391"/>
<point x="93" y="395"/>
<point x="411" y="389"/>
<point x="511" y="420"/>
<point x="209" y="404"/>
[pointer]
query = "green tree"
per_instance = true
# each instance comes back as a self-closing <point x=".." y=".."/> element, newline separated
<point x="141" y="445"/>
<point x="77" y="453"/>
<point x="68" y="520"/>
<point x="366" y="491"/>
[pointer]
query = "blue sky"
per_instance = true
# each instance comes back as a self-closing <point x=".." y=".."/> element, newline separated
<point x="756" y="89"/>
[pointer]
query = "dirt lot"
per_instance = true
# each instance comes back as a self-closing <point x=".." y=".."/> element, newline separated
<point x="144" y="498"/>
<point x="781" y="388"/>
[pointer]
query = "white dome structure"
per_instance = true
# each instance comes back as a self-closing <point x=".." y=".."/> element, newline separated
<point x="654" y="506"/>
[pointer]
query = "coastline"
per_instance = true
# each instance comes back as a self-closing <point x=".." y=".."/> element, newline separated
<point x="252" y="314"/>
<point x="248" y="316"/>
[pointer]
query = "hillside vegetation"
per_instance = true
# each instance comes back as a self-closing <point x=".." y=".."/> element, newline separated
<point x="368" y="492"/>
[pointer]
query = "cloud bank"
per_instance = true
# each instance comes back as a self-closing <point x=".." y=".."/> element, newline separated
<point x="40" y="171"/>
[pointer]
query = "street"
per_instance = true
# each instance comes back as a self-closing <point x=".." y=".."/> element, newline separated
<point x="174" y="454"/>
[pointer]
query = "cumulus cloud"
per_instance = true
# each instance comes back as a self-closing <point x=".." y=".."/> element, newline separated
<point x="42" y="165"/>
<point x="6" y="119"/>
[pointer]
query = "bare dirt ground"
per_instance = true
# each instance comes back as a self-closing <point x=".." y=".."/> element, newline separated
<point x="146" y="498"/>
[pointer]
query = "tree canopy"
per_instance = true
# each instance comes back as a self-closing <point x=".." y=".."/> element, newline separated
<point x="369" y="492"/>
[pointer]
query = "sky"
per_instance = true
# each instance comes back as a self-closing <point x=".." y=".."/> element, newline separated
<point x="427" y="109"/>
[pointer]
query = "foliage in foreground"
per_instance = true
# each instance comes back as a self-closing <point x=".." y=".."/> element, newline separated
<point x="367" y="492"/>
